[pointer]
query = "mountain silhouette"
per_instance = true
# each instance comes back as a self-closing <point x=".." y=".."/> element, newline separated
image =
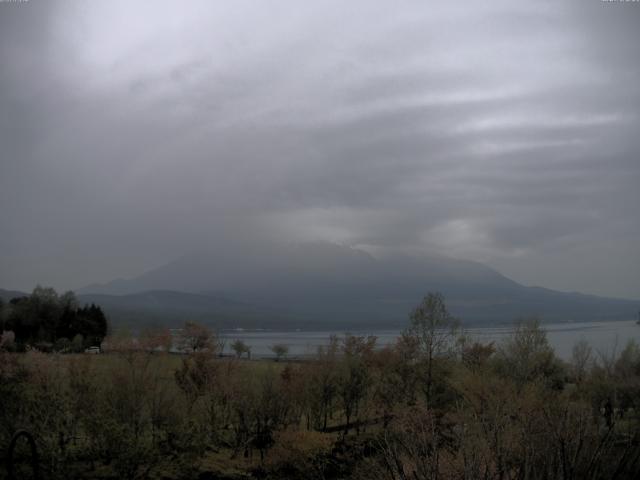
<point x="326" y="285"/>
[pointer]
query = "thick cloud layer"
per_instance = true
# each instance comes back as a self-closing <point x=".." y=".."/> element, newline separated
<point x="505" y="132"/>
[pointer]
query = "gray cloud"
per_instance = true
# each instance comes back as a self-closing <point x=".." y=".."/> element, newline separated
<point x="133" y="133"/>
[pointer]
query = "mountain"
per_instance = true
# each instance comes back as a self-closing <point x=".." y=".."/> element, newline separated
<point x="7" y="295"/>
<point x="317" y="285"/>
<point x="173" y="308"/>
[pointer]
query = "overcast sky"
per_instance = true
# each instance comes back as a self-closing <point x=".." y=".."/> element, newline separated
<point x="133" y="132"/>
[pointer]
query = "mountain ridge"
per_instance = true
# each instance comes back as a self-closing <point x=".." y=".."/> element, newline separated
<point x="331" y="285"/>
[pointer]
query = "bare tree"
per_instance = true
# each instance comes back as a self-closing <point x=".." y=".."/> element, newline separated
<point x="581" y="356"/>
<point x="354" y="380"/>
<point x="527" y="355"/>
<point x="156" y="339"/>
<point x="434" y="329"/>
<point x="196" y="337"/>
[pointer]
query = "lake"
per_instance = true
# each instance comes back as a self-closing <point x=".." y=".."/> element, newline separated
<point x="603" y="337"/>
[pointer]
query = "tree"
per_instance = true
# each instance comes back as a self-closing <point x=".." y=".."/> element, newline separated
<point x="581" y="355"/>
<point x="476" y="354"/>
<point x="628" y="364"/>
<point x="220" y="344"/>
<point x="62" y="344"/>
<point x="3" y="309"/>
<point x="197" y="374"/>
<point x="7" y="340"/>
<point x="121" y="340"/>
<point x="627" y="373"/>
<point x="320" y="385"/>
<point x="35" y="318"/>
<point x="354" y="379"/>
<point x="14" y="391"/>
<point x="44" y="316"/>
<point x="196" y="337"/>
<point x="77" y="344"/>
<point x="388" y="387"/>
<point x="526" y="355"/>
<point x="156" y="339"/>
<point x="270" y="412"/>
<point x="46" y="308"/>
<point x="280" y="350"/>
<point x="92" y="324"/>
<point x="240" y="348"/>
<point x="68" y="300"/>
<point x="434" y="329"/>
<point x="408" y="351"/>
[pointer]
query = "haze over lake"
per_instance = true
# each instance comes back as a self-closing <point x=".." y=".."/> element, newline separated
<point x="603" y="337"/>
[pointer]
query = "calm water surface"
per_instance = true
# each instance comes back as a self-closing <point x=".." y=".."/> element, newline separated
<point x="604" y="337"/>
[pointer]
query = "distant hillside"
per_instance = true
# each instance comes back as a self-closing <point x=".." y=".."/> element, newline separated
<point x="173" y="308"/>
<point x="7" y="295"/>
<point x="325" y="285"/>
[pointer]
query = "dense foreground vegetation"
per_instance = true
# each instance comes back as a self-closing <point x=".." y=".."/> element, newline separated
<point x="432" y="406"/>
